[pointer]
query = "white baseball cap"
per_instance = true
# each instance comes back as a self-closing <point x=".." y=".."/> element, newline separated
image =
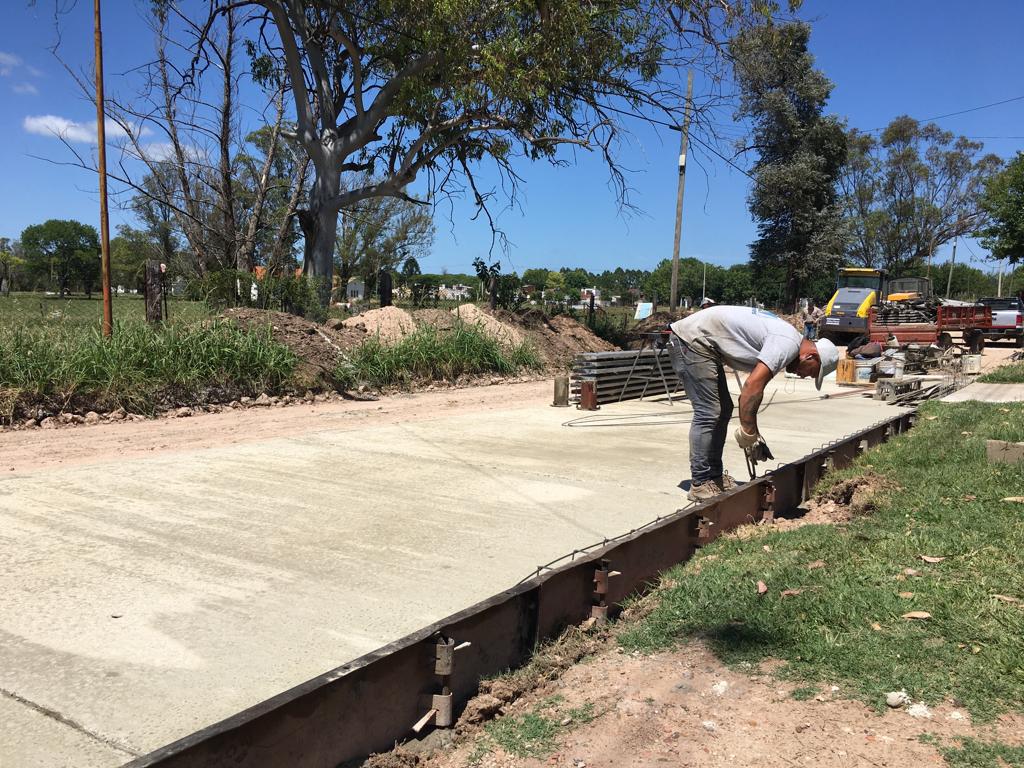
<point x="829" y="357"/>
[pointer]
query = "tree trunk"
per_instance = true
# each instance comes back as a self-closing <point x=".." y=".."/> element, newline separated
<point x="320" y="228"/>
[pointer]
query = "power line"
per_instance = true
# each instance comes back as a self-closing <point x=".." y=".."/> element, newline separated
<point x="961" y="112"/>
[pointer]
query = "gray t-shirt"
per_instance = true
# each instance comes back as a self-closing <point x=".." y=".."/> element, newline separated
<point x="742" y="336"/>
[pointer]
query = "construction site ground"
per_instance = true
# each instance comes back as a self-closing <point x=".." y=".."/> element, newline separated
<point x="686" y="708"/>
<point x="161" y="576"/>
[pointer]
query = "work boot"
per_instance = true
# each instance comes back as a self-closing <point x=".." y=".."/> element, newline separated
<point x="727" y="482"/>
<point x="703" y="491"/>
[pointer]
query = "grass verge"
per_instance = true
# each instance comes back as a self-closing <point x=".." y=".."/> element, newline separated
<point x="533" y="734"/>
<point x="855" y="583"/>
<point x="973" y="753"/>
<point x="432" y="354"/>
<point x="140" y="368"/>
<point x="1011" y="373"/>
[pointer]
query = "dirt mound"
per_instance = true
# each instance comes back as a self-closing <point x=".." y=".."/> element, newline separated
<point x="316" y="346"/>
<point x="441" y="319"/>
<point x="504" y="333"/>
<point x="659" y="320"/>
<point x="840" y="503"/>
<point x="558" y="339"/>
<point x="391" y="324"/>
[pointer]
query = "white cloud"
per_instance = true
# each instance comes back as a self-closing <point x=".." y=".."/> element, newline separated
<point x="8" y="61"/>
<point x="70" y="130"/>
<point x="26" y="89"/>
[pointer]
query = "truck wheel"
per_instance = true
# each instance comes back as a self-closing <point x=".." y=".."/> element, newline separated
<point x="976" y="342"/>
<point x="1019" y="341"/>
<point x="945" y="341"/>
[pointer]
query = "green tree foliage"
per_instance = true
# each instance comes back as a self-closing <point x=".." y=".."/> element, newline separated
<point x="381" y="233"/>
<point x="555" y="286"/>
<point x="535" y="277"/>
<point x="128" y="254"/>
<point x="800" y="154"/>
<point x="737" y="285"/>
<point x="576" y="279"/>
<point x="63" y="254"/>
<point x="1002" y="205"/>
<point x="10" y="261"/>
<point x="909" y="191"/>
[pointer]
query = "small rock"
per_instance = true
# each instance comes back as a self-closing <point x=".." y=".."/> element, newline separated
<point x="954" y="715"/>
<point x="118" y="415"/>
<point x="309" y="397"/>
<point x="234" y="404"/>
<point x="49" y="423"/>
<point x="720" y="687"/>
<point x="182" y="413"/>
<point x="30" y="424"/>
<point x="565" y="721"/>
<point x="897" y="699"/>
<point x="803" y="727"/>
<point x="263" y="400"/>
<point x="335" y="324"/>
<point x="919" y="711"/>
<point x="136" y="417"/>
<point x="92" y="417"/>
<point x="709" y="726"/>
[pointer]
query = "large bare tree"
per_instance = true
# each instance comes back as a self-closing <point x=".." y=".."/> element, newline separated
<point x="404" y="91"/>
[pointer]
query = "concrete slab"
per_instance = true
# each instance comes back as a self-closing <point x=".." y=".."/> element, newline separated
<point x="987" y="393"/>
<point x="147" y="597"/>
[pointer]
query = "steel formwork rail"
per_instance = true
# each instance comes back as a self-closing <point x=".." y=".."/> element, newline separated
<point x="370" y="703"/>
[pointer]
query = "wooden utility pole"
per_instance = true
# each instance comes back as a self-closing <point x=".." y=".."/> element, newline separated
<point x="101" y="137"/>
<point x="684" y="135"/>
<point x="952" y="262"/>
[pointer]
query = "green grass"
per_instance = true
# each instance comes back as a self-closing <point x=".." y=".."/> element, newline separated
<point x="1011" y="373"/>
<point x="36" y="310"/>
<point x="973" y="753"/>
<point x="431" y="354"/>
<point x="140" y="368"/>
<point x="534" y="734"/>
<point x="846" y="626"/>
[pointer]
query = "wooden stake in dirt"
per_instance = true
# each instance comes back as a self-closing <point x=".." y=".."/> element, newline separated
<point x="684" y="136"/>
<point x="101" y="138"/>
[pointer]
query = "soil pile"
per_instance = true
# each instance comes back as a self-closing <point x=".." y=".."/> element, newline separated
<point x="504" y="333"/>
<point x="391" y="324"/>
<point x="441" y="319"/>
<point x="659" y="320"/>
<point x="557" y="339"/>
<point x="316" y="345"/>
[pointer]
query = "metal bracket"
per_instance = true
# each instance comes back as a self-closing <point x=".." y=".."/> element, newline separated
<point x="767" y="503"/>
<point x="599" y="610"/>
<point x="439" y="705"/>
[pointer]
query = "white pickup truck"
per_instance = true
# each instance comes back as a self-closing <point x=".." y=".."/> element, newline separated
<point x="1007" y="319"/>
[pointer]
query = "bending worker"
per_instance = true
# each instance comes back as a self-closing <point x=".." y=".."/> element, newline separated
<point x="749" y="340"/>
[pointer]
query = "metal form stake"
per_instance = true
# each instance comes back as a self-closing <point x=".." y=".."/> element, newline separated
<point x="684" y="136"/>
<point x="440" y="704"/>
<point x="561" y="392"/>
<point x="101" y="137"/>
<point x="599" y="610"/>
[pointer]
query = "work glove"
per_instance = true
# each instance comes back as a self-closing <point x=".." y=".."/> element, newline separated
<point x="745" y="439"/>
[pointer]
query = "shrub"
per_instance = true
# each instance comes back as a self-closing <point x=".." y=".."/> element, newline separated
<point x="140" y="368"/>
<point x="430" y="353"/>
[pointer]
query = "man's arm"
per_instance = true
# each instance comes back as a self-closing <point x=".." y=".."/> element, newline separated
<point x="751" y="396"/>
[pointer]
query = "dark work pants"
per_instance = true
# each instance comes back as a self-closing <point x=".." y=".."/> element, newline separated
<point x="703" y="379"/>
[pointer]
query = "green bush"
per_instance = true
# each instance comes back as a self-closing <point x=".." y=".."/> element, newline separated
<point x="140" y="368"/>
<point x="233" y="288"/>
<point x="432" y="354"/>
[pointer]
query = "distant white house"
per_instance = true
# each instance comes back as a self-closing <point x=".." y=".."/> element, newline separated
<point x="457" y="292"/>
<point x="355" y="290"/>
<point x="586" y="293"/>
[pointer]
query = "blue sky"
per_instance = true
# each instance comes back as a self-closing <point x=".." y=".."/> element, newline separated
<point x="918" y="57"/>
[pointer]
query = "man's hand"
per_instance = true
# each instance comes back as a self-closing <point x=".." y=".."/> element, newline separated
<point x="745" y="439"/>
